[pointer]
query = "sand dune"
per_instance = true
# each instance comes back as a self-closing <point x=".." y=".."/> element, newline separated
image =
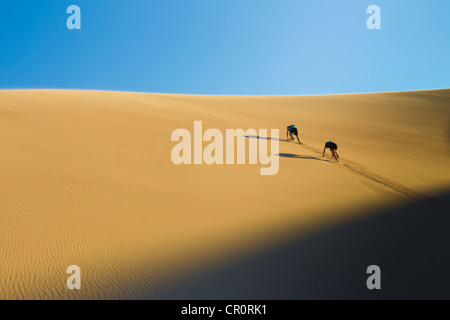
<point x="86" y="179"/>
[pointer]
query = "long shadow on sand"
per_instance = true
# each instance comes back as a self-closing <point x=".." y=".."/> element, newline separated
<point x="410" y="243"/>
<point x="263" y="138"/>
<point x="269" y="138"/>
<point x="296" y="156"/>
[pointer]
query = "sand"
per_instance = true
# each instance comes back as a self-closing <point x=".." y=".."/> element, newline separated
<point x="86" y="179"/>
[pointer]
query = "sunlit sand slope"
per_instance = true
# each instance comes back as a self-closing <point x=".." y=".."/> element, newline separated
<point x="86" y="179"/>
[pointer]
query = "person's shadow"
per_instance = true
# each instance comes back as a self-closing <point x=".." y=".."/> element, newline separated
<point x="269" y="138"/>
<point x="286" y="155"/>
<point x="262" y="138"/>
<point x="296" y="156"/>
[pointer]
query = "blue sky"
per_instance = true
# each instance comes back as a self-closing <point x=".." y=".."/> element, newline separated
<point x="229" y="47"/>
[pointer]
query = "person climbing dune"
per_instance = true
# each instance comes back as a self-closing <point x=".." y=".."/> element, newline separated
<point x="333" y="148"/>
<point x="292" y="130"/>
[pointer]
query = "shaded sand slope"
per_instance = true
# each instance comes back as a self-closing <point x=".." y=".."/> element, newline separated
<point x="86" y="178"/>
<point x="409" y="242"/>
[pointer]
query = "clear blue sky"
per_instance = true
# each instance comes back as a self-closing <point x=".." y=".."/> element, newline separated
<point x="231" y="47"/>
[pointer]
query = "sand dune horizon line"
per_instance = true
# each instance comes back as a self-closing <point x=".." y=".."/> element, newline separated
<point x="223" y="95"/>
